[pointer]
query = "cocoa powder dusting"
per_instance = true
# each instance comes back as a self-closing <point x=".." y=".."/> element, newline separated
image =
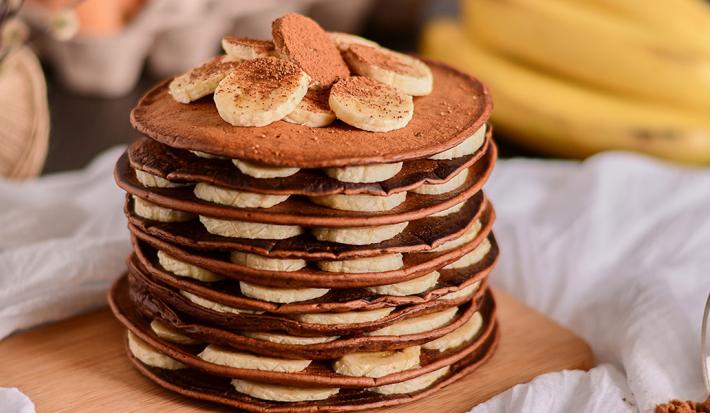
<point x="386" y="59"/>
<point x="316" y="100"/>
<point x="678" y="406"/>
<point x="265" y="46"/>
<point x="262" y="75"/>
<point x="385" y="97"/>
<point x="217" y="65"/>
<point x="304" y="42"/>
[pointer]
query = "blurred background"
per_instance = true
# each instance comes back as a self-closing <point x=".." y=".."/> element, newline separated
<point x="569" y="77"/>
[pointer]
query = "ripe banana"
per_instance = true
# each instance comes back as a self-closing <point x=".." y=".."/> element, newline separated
<point x="467" y="147"/>
<point x="154" y="181"/>
<point x="281" y="295"/>
<point x="468" y="236"/>
<point x="418" y="324"/>
<point x="412" y="385"/>
<point x="249" y="230"/>
<point x="359" y="235"/>
<point x="150" y="211"/>
<point x="472" y="257"/>
<point x="457" y="337"/>
<point x="170" y="334"/>
<point x="202" y="80"/>
<point x="290" y="340"/>
<point x="148" y="355"/>
<point x="266" y="263"/>
<point x="246" y="49"/>
<point x="686" y="21"/>
<point x="239" y="199"/>
<point x="183" y="269"/>
<point x="344" y="40"/>
<point x="562" y="118"/>
<point x="410" y="287"/>
<point x="281" y="393"/>
<point x="377" y="363"/>
<point x="437" y="189"/>
<point x="454" y="209"/>
<point x="380" y="263"/>
<point x="405" y="73"/>
<point x="313" y="110"/>
<point x="350" y="317"/>
<point x="370" y="105"/>
<point x="262" y="172"/>
<point x="592" y="46"/>
<point x="260" y="92"/>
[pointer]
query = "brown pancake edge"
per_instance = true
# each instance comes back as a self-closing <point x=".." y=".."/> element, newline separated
<point x="210" y="388"/>
<point x="415" y="264"/>
<point x="300" y="211"/>
<point x="137" y="316"/>
<point x="227" y="291"/>
<point x="181" y="166"/>
<point x="458" y="105"/>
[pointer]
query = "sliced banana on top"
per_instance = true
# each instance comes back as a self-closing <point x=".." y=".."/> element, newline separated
<point x="262" y="91"/>
<point x="365" y="173"/>
<point x="245" y="48"/>
<point x="313" y="110"/>
<point x="405" y="73"/>
<point x="202" y="80"/>
<point x="377" y="363"/>
<point x="302" y="41"/>
<point x="344" y="40"/>
<point x="262" y="171"/>
<point x="370" y="105"/>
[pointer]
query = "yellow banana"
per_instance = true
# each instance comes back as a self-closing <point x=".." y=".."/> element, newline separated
<point x="583" y="43"/>
<point x="566" y="119"/>
<point x="688" y="21"/>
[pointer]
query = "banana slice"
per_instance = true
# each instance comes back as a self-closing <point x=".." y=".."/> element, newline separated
<point x="264" y="263"/>
<point x="259" y="171"/>
<point x="290" y="340"/>
<point x="170" y="334"/>
<point x="360" y="203"/>
<point x="472" y="257"/>
<point x="220" y="308"/>
<point x="365" y="173"/>
<point x="467" y="147"/>
<point x="412" y="385"/>
<point x="464" y="292"/>
<point x="405" y="73"/>
<point x="380" y="263"/>
<point x="239" y="199"/>
<point x="467" y="237"/>
<point x="261" y="92"/>
<point x="370" y="105"/>
<point x="247" y="49"/>
<point x="250" y="230"/>
<point x="359" y="235"/>
<point x="149" y="210"/>
<point x="417" y="325"/>
<point x="450" y="185"/>
<point x="302" y="41"/>
<point x="351" y="317"/>
<point x="454" y="209"/>
<point x="201" y="81"/>
<point x="154" y="181"/>
<point x="280" y="393"/>
<point x="148" y="355"/>
<point x="239" y="360"/>
<point x="411" y="287"/>
<point x="377" y="363"/>
<point x="183" y="269"/>
<point x="344" y="40"/>
<point x="457" y="337"/>
<point x="313" y="110"/>
<point x="206" y="155"/>
<point x="281" y="295"/>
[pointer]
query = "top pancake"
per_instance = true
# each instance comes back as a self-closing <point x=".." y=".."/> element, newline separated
<point x="456" y="108"/>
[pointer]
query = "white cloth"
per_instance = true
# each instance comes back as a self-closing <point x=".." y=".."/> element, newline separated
<point x="614" y="248"/>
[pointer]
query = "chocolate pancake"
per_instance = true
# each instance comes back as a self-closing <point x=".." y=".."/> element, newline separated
<point x="202" y="386"/>
<point x="318" y="373"/>
<point x="138" y="317"/>
<point x="457" y="107"/>
<point x="142" y="286"/>
<point x="420" y="235"/>
<point x="181" y="166"/>
<point x="227" y="291"/>
<point x="415" y="265"/>
<point x="299" y="210"/>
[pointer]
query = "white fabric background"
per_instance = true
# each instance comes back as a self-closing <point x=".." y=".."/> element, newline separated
<point x="615" y="248"/>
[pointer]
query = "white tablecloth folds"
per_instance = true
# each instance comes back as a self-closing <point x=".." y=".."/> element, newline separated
<point x="615" y="248"/>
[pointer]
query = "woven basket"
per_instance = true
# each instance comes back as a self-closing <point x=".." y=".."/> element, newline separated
<point x="24" y="116"/>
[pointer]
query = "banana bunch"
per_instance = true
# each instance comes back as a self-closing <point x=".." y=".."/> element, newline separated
<point x="575" y="77"/>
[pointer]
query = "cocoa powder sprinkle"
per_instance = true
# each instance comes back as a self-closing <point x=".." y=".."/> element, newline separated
<point x="377" y="56"/>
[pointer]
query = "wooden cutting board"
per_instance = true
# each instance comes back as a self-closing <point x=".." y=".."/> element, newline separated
<point x="79" y="365"/>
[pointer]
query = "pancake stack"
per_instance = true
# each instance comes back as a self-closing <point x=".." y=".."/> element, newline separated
<point x="309" y="264"/>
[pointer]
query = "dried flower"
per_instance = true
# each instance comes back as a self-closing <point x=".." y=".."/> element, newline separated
<point x="64" y="24"/>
